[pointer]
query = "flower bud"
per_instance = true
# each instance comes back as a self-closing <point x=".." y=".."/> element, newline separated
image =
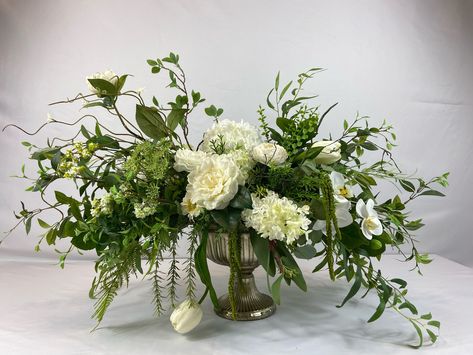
<point x="329" y="154"/>
<point x="186" y="316"/>
<point x="269" y="154"/>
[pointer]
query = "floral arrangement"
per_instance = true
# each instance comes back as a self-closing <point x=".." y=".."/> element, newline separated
<point x="300" y="195"/>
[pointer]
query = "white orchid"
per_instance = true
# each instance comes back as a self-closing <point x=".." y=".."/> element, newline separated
<point x="342" y="212"/>
<point x="370" y="224"/>
<point x="341" y="190"/>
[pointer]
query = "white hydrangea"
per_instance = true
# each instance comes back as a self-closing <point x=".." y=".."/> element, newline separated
<point x="277" y="218"/>
<point x="188" y="160"/>
<point x="269" y="154"/>
<point x="108" y="75"/>
<point x="235" y="135"/>
<point x="244" y="161"/>
<point x="214" y="183"/>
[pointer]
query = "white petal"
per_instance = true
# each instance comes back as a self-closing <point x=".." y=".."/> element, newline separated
<point x="338" y="180"/>
<point x="370" y="208"/>
<point x="366" y="231"/>
<point x="319" y="225"/>
<point x="379" y="227"/>
<point x="342" y="203"/>
<point x="344" y="217"/>
<point x="361" y="209"/>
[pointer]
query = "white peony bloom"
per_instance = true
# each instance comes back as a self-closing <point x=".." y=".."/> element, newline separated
<point x="188" y="160"/>
<point x="186" y="316"/>
<point x="341" y="190"/>
<point x="244" y="161"/>
<point x="342" y="212"/>
<point x="235" y="136"/>
<point x="370" y="224"/>
<point x="330" y="154"/>
<point x="189" y="208"/>
<point x="277" y="218"/>
<point x="214" y="183"/>
<point x="107" y="75"/>
<point x="269" y="154"/>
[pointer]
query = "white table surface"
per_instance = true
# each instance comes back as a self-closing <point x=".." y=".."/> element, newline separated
<point x="46" y="310"/>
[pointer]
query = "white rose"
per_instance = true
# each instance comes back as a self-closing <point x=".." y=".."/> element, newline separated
<point x="269" y="154"/>
<point x="188" y="160"/>
<point x="214" y="183"/>
<point x="186" y="316"/>
<point x="330" y="154"/>
<point x="235" y="135"/>
<point x="107" y="75"/>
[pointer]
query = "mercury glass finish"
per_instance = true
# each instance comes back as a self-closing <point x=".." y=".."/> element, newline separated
<point x="250" y="303"/>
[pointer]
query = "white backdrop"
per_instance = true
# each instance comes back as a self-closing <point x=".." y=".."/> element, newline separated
<point x="410" y="62"/>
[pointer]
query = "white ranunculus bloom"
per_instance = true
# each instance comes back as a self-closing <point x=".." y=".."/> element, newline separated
<point x="235" y="135"/>
<point x="188" y="160"/>
<point x="277" y="218"/>
<point x="189" y="208"/>
<point x="341" y="190"/>
<point x="215" y="182"/>
<point x="108" y="75"/>
<point x="370" y="224"/>
<point x="269" y="154"/>
<point x="186" y="316"/>
<point x="330" y="154"/>
<point x="342" y="212"/>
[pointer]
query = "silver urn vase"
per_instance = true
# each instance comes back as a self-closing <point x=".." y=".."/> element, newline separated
<point x="250" y="303"/>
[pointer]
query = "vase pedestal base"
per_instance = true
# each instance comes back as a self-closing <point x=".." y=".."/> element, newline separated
<point x="250" y="303"/>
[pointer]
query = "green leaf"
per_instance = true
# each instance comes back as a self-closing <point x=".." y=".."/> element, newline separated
<point x="379" y="310"/>
<point x="419" y="333"/>
<point x="320" y="265"/>
<point x="284" y="123"/>
<point x="407" y="185"/>
<point x="262" y="252"/>
<point x="175" y="118"/>
<point x="431" y="193"/>
<point x="51" y="236"/>
<point x="152" y="62"/>
<point x="104" y="87"/>
<point x="276" y="290"/>
<point x="43" y="224"/>
<point x="228" y="218"/>
<point x="432" y="336"/>
<point x="270" y="104"/>
<point x="284" y="90"/>
<point x="202" y="268"/>
<point x="354" y="288"/>
<point x="434" y="323"/>
<point x="242" y="199"/>
<point x="427" y="316"/>
<point x="400" y="282"/>
<point x="150" y="122"/>
<point x="409" y="306"/>
<point x="28" y="225"/>
<point x="155" y="70"/>
<point x="276" y="82"/>
<point x="61" y="197"/>
<point x="289" y="261"/>
<point x="305" y="252"/>
<point x="211" y="111"/>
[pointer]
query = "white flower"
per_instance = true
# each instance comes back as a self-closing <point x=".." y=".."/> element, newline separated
<point x="330" y="154"/>
<point x="277" y="218"/>
<point x="107" y="75"/>
<point x="269" y="154"/>
<point x="186" y="316"/>
<point x="244" y="161"/>
<point x="341" y="190"/>
<point x="214" y="183"/>
<point x="343" y="215"/>
<point x="189" y="208"/>
<point x="370" y="224"/>
<point x="188" y="160"/>
<point x="235" y="136"/>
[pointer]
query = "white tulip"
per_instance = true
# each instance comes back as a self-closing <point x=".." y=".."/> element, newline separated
<point x="341" y="190"/>
<point x="269" y="154"/>
<point x="370" y="224"/>
<point x="330" y="154"/>
<point x="186" y="316"/>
